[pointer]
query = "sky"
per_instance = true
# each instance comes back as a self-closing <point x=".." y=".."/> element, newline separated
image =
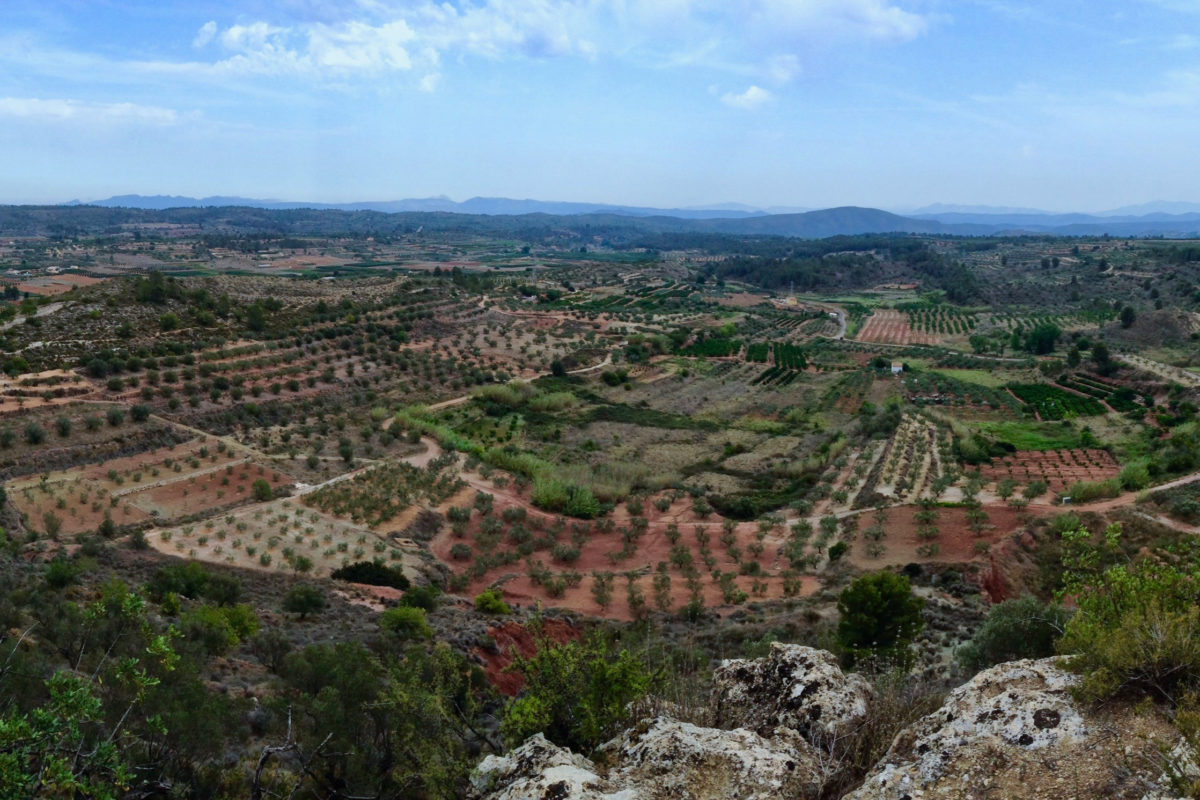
<point x="1080" y="105"/>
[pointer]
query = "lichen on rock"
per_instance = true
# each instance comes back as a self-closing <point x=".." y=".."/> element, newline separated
<point x="1011" y="708"/>
<point x="794" y="687"/>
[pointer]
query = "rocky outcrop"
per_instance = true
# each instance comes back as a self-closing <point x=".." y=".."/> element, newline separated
<point x="1012" y="731"/>
<point x="541" y="770"/>
<point x="660" y="759"/>
<point x="1019" y="713"/>
<point x="669" y="760"/>
<point x="794" y="687"/>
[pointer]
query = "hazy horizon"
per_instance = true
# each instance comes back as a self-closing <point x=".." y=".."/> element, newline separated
<point x="893" y="104"/>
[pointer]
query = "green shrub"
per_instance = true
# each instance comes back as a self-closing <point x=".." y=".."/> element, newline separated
<point x="371" y="573"/>
<point x="62" y="572"/>
<point x="1137" y="628"/>
<point x="423" y="597"/>
<point x="490" y="601"/>
<point x="577" y="694"/>
<point x="406" y="622"/>
<point x="1014" y="629"/>
<point x="304" y="599"/>
<point x="218" y="630"/>
<point x="879" y="616"/>
<point x="185" y="580"/>
<point x="1087" y="491"/>
<point x="1135" y="476"/>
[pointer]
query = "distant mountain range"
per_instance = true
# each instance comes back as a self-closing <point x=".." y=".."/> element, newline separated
<point x="476" y="205"/>
<point x="1167" y="219"/>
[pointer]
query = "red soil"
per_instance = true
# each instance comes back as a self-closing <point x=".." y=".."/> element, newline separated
<point x="1059" y="468"/>
<point x="205" y="492"/>
<point x="956" y="541"/>
<point x="513" y="637"/>
<point x="598" y="553"/>
<point x="892" y="327"/>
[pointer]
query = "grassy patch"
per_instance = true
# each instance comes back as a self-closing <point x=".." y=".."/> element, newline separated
<point x="1032" y="435"/>
<point x="978" y="377"/>
<point x="649" y="418"/>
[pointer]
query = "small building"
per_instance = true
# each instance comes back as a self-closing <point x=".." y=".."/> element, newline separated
<point x="897" y="368"/>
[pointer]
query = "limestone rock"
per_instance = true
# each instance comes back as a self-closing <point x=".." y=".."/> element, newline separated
<point x="659" y="759"/>
<point x="669" y="760"/>
<point x="541" y="770"/>
<point x="998" y="718"/>
<point x="794" y="687"/>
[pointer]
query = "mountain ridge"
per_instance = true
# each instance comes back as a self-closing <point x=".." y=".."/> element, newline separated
<point x="506" y="212"/>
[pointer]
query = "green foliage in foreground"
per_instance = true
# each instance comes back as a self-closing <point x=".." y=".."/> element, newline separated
<point x="1137" y="628"/>
<point x="577" y="693"/>
<point x="104" y="699"/>
<point x="880" y="616"/>
<point x="1015" y="629"/>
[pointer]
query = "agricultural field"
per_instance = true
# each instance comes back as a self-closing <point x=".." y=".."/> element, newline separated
<point x="610" y="429"/>
<point x="888" y="326"/>
<point x="574" y="392"/>
<point x="301" y="456"/>
<point x="1056" y="469"/>
<point x="1053" y="403"/>
<point x="196" y="478"/>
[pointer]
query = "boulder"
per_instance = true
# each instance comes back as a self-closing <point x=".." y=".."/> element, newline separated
<point x="1003" y="716"/>
<point x="659" y="759"/>
<point x="794" y="687"/>
<point x="541" y="770"/>
<point x="664" y="759"/>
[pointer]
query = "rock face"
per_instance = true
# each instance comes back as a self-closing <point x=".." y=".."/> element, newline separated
<point x="660" y="759"/>
<point x="794" y="687"/>
<point x="1012" y="731"/>
<point x="667" y="760"/>
<point x="1002" y="715"/>
<point x="541" y="770"/>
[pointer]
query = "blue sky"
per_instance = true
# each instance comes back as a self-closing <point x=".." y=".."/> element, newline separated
<point x="1059" y="104"/>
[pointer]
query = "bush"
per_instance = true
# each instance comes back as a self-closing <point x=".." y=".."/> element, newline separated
<point x="34" y="433"/>
<point x="1135" y="476"/>
<point x="1137" y="628"/>
<point x="423" y="597"/>
<point x="1014" y="629"/>
<point x="879" y="616"/>
<point x="577" y="694"/>
<point x="1087" y="491"/>
<point x="372" y="574"/>
<point x="490" y="601"/>
<point x="261" y="489"/>
<point x="556" y="496"/>
<point x="218" y="630"/>
<point x="61" y="572"/>
<point x="304" y="599"/>
<point x="115" y="417"/>
<point x="406" y="622"/>
<point x="186" y="580"/>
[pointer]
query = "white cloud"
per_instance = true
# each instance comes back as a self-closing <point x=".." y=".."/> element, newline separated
<point x="361" y="47"/>
<point x="766" y="42"/>
<point x="858" y="19"/>
<point x="207" y="32"/>
<point x="77" y="110"/>
<point x="764" y="38"/>
<point x="748" y="100"/>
